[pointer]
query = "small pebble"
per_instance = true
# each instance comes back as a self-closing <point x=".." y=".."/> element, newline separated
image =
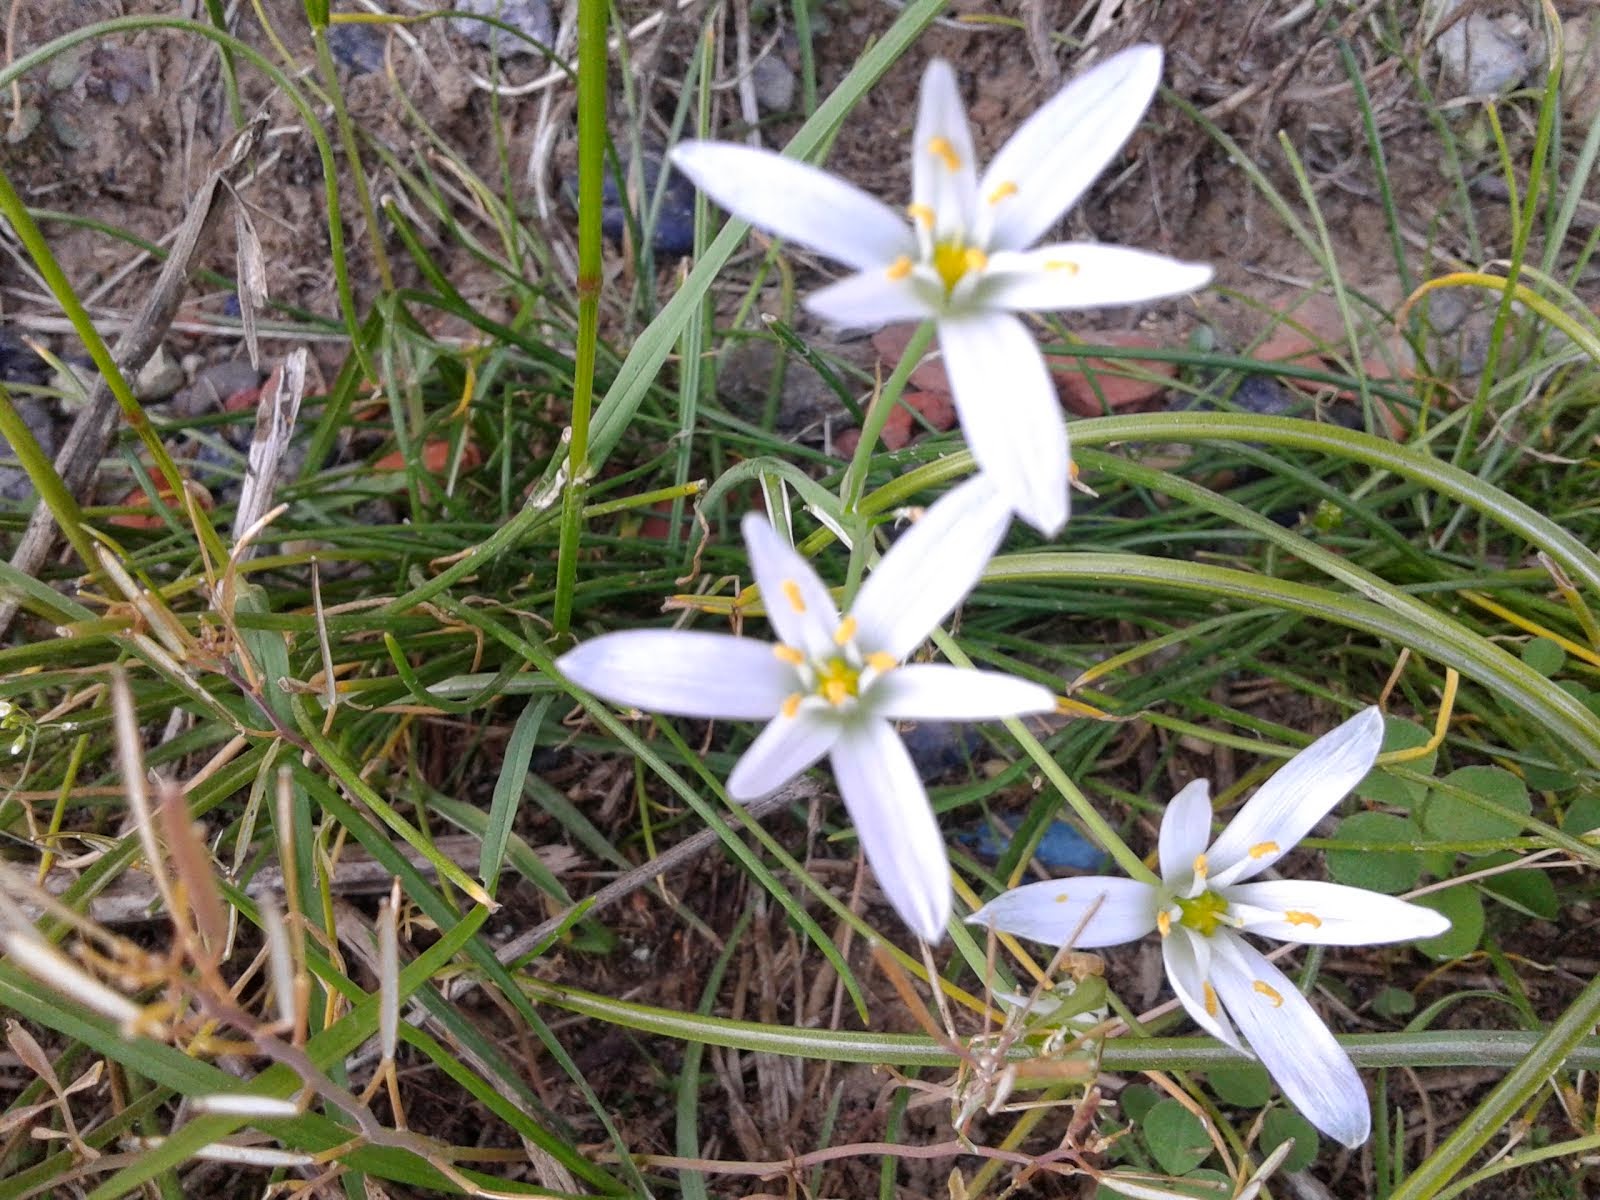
<point x="1482" y="53"/>
<point x="159" y="378"/>
<point x="674" y="229"/>
<point x="530" y="17"/>
<point x="937" y="747"/>
<point x="1062" y="848"/>
<point x="15" y="486"/>
<point x="212" y="385"/>
<point x="358" y="46"/>
<point x="18" y="362"/>
<point x="774" y="83"/>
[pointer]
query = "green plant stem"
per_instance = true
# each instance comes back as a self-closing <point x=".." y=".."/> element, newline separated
<point x="352" y="154"/>
<point x="41" y="471"/>
<point x="1434" y="1048"/>
<point x="592" y="16"/>
<point x="1553" y="1049"/>
<point x="855" y="476"/>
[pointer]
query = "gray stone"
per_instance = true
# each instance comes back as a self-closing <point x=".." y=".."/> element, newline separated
<point x="158" y="379"/>
<point x="1482" y="54"/>
<point x="15" y="486"/>
<point x="212" y="385"/>
<point x="529" y="17"/>
<point x="774" y="83"/>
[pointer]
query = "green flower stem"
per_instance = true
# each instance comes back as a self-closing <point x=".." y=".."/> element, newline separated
<point x="855" y="476"/>
<point x="1434" y="1048"/>
<point x="1555" y="1047"/>
<point x="592" y="57"/>
<point x="352" y="153"/>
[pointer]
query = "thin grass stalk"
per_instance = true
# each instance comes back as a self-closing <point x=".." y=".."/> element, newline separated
<point x="592" y="19"/>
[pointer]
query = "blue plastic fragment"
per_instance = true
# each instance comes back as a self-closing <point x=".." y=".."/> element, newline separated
<point x="1062" y="848"/>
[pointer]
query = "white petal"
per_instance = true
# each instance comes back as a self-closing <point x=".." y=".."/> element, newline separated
<point x="1187" y="958"/>
<point x="798" y="605"/>
<point x="870" y="298"/>
<point x="936" y="692"/>
<point x="1297" y="1049"/>
<point x="944" y="174"/>
<point x="1330" y="914"/>
<point x="1305" y="788"/>
<point x="780" y="752"/>
<point x="797" y="202"/>
<point x="683" y="672"/>
<point x="1056" y="154"/>
<point x="1076" y="275"/>
<point x="1185" y="830"/>
<point x="1009" y="413"/>
<point x="930" y="568"/>
<point x="896" y="825"/>
<point x="1110" y="910"/>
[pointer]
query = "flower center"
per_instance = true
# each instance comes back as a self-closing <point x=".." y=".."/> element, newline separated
<point x="953" y="260"/>
<point x="1203" y="913"/>
<point x="836" y="680"/>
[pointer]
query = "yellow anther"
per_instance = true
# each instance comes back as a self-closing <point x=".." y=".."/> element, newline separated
<point x="977" y="260"/>
<point x="1061" y="897"/>
<point x="899" y="268"/>
<point x="1270" y="992"/>
<point x="1201" y="867"/>
<point x="791" y="704"/>
<point x="791" y="591"/>
<point x="1003" y="192"/>
<point x="1302" y="918"/>
<point x="837" y="691"/>
<point x="921" y="214"/>
<point x="1065" y="265"/>
<point x="1164" y="922"/>
<point x="789" y="655"/>
<point x="941" y="149"/>
<point x="846" y="632"/>
<point x="881" y="661"/>
<point x="1211" y="1000"/>
<point x="1262" y="849"/>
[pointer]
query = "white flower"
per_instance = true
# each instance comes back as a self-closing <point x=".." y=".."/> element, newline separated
<point x="963" y="259"/>
<point x="1203" y="904"/>
<point x="833" y="684"/>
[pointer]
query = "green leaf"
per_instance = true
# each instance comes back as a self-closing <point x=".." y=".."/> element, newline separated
<point x="1477" y="804"/>
<point x="1544" y="656"/>
<point x="1465" y="910"/>
<point x="1379" y="787"/>
<point x="1282" y="1124"/>
<point x="1243" y="1087"/>
<point x="1138" y="1100"/>
<point x="1374" y="866"/>
<point x="1582" y="815"/>
<point x="1530" y="892"/>
<point x="508" y="790"/>
<point x="1394" y="1002"/>
<point x="1176" y="1137"/>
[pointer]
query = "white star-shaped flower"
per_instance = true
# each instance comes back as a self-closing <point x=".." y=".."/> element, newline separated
<point x="1204" y="904"/>
<point x="833" y="684"/>
<point x="964" y="260"/>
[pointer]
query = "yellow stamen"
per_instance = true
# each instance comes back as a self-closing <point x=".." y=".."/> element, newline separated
<point x="1201" y="867"/>
<point x="1061" y="897"/>
<point x="1270" y="992"/>
<point x="1262" y="849"/>
<point x="881" y="661"/>
<point x="846" y="631"/>
<point x="1062" y="264"/>
<point x="789" y="655"/>
<point x="1003" y="192"/>
<point x="791" y="704"/>
<point x="977" y="260"/>
<point x="1211" y="1000"/>
<point x="791" y="590"/>
<point x="1164" y="922"/>
<point x="1302" y="918"/>
<point x="899" y="268"/>
<point x="921" y="214"/>
<point x="941" y="149"/>
<point x="836" y="690"/>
